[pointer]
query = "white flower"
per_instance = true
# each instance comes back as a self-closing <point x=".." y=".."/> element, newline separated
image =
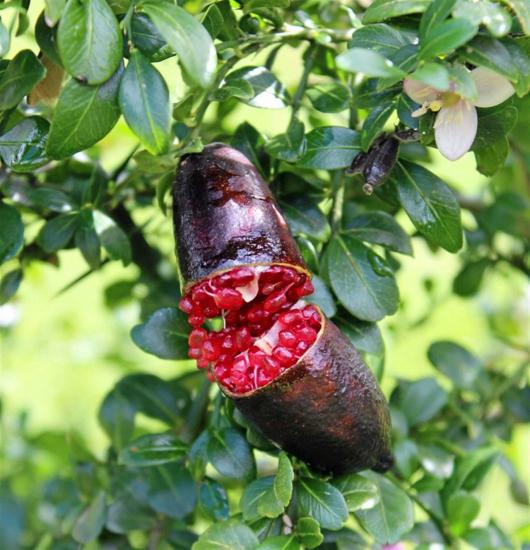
<point x="455" y="126"/>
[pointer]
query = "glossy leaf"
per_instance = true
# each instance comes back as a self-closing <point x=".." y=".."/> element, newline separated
<point x="112" y="238"/>
<point x="116" y="416"/>
<point x="374" y="123"/>
<point x="522" y="10"/>
<point x="308" y="531"/>
<point x="462" y="509"/>
<point x="330" y="148"/>
<point x="213" y="500"/>
<point x="358" y="492"/>
<point x="392" y="516"/>
<point x="83" y="115"/>
<point x="322" y="502"/>
<point x="164" y="334"/>
<point x="361" y="279"/>
<point x="445" y="37"/>
<point x="23" y="147"/>
<point x="363" y="335"/>
<point x="304" y="217"/>
<point x="435" y="14"/>
<point x="331" y="97"/>
<point x="90" y="523"/>
<point x="274" y="500"/>
<point x="368" y="62"/>
<point x="381" y="38"/>
<point x="22" y="73"/>
<point x="322" y="297"/>
<point x="422" y="400"/>
<point x="57" y="232"/>
<point x="152" y="450"/>
<point x="268" y="91"/>
<point x="230" y="454"/>
<point x="290" y="145"/>
<point x="486" y="51"/>
<point x="430" y="204"/>
<point x="380" y="228"/>
<point x="456" y="362"/>
<point x="187" y="37"/>
<point x="9" y="284"/>
<point x="89" y="40"/>
<point x="144" y="102"/>
<point x="146" y="37"/>
<point x="227" y="534"/>
<point x="11" y="232"/>
<point x="380" y="10"/>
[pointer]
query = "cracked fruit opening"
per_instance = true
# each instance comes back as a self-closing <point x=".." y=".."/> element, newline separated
<point x="265" y="325"/>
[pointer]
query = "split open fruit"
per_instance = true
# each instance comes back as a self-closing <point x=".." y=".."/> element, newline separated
<point x="286" y="366"/>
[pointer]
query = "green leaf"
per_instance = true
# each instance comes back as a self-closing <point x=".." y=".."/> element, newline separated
<point x="386" y="9"/>
<point x="361" y="279"/>
<point x="281" y="542"/>
<point x="392" y="516"/>
<point x="268" y="91"/>
<point x="437" y="12"/>
<point x="381" y="38"/>
<point x="87" y="240"/>
<point x="322" y="297"/>
<point x="152" y="450"/>
<point x="462" y="81"/>
<point x="147" y="39"/>
<point x="11" y="232"/>
<point x="290" y="145"/>
<point x="469" y="471"/>
<point x="168" y="490"/>
<point x="90" y="523"/>
<point x="358" y="492"/>
<point x="520" y="53"/>
<point x="116" y="416"/>
<point x="57" y="232"/>
<point x="273" y="501"/>
<point x="496" y="19"/>
<point x="54" y="10"/>
<point x="9" y="283"/>
<point x="155" y="397"/>
<point x="164" y="334"/>
<point x="457" y="363"/>
<point x="430" y="204"/>
<point x="252" y="495"/>
<point x="187" y="37"/>
<point x="374" y="123"/>
<point x="330" y="148"/>
<point x="434" y="75"/>
<point x="144" y="102"/>
<point x="22" y="73"/>
<point x="236" y="87"/>
<point x="213" y="500"/>
<point x="406" y="457"/>
<point x="83" y="115"/>
<point x="469" y="278"/>
<point x="227" y="535"/>
<point x="308" y="531"/>
<point x="304" y="217"/>
<point x="462" y="509"/>
<point x="113" y="239"/>
<point x="198" y="456"/>
<point x="486" y="51"/>
<point x="422" y="400"/>
<point x="368" y="62"/>
<point x="380" y="228"/>
<point x="230" y="454"/>
<point x="332" y="97"/>
<point x="125" y="514"/>
<point x="322" y="502"/>
<point x="364" y="336"/>
<point x="522" y="10"/>
<point x="509" y="213"/>
<point x="22" y="147"/>
<point x="89" y="40"/>
<point x="446" y="37"/>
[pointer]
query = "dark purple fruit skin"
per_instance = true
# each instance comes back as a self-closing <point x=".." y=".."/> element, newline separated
<point x="225" y="216"/>
<point x="326" y="410"/>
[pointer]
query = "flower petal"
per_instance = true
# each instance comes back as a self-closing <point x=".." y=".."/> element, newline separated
<point x="492" y="88"/>
<point x="455" y="129"/>
<point x="418" y="91"/>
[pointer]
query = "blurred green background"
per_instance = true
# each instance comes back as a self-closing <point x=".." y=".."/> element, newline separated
<point x="61" y="352"/>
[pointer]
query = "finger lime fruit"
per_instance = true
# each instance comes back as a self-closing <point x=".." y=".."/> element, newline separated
<point x="287" y="367"/>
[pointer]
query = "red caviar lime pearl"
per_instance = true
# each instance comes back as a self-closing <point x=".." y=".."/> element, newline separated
<point x="274" y="302"/>
<point x="228" y="298"/>
<point x="285" y="357"/>
<point x="242" y="276"/>
<point x="196" y="320"/>
<point x="287" y="338"/>
<point x="186" y="305"/>
<point x="194" y="353"/>
<point x="307" y="334"/>
<point x="197" y="337"/>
